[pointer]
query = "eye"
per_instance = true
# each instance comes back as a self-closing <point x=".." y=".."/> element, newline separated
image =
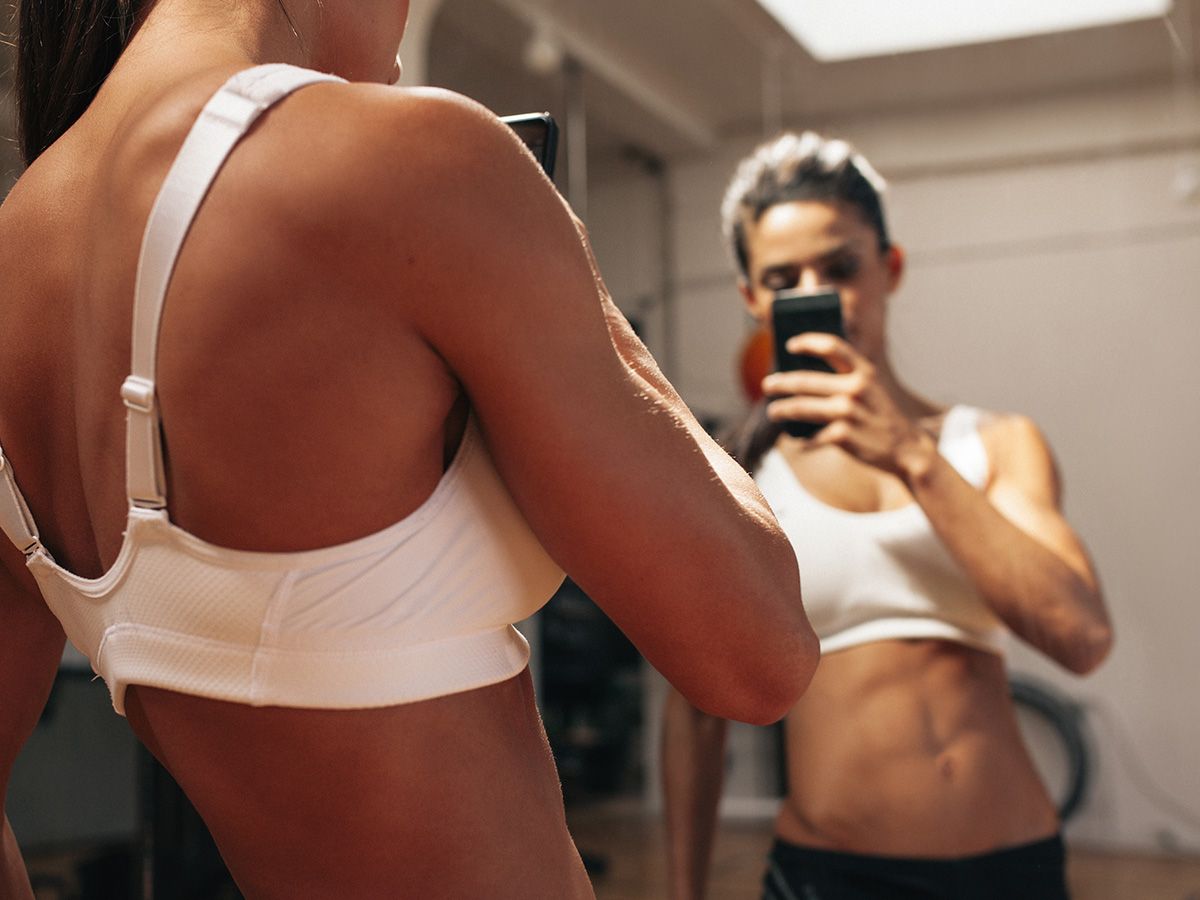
<point x="843" y="269"/>
<point x="781" y="279"/>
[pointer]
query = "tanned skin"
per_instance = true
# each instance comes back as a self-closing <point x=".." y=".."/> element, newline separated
<point x="900" y="747"/>
<point x="371" y="262"/>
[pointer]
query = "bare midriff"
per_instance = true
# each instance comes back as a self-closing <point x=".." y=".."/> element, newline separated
<point x="451" y="797"/>
<point x="911" y="748"/>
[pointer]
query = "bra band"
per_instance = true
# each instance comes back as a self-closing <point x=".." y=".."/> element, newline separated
<point x="224" y="121"/>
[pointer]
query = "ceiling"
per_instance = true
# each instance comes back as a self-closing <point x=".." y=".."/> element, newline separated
<point x="672" y="77"/>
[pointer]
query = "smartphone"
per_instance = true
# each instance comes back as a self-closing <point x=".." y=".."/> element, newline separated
<point x="539" y="132"/>
<point x="795" y="312"/>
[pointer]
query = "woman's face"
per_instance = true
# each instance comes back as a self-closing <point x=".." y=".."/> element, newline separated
<point x="811" y="244"/>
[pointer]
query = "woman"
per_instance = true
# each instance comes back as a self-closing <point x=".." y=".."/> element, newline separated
<point x="924" y="533"/>
<point x="388" y="399"/>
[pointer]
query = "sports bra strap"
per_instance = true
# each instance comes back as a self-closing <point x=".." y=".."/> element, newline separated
<point x="15" y="519"/>
<point x="962" y="445"/>
<point x="224" y="120"/>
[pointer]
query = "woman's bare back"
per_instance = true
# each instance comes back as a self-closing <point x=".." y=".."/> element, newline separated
<point x="280" y="363"/>
<point x="278" y="368"/>
<point x="452" y="797"/>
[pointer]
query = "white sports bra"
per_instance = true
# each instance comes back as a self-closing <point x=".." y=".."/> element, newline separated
<point x="884" y="575"/>
<point x="420" y="609"/>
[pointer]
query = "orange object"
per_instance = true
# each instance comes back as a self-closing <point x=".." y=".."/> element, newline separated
<point x="757" y="362"/>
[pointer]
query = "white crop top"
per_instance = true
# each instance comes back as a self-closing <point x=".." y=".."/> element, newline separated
<point x="420" y="609"/>
<point x="884" y="575"/>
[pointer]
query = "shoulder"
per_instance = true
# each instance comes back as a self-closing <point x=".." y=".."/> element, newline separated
<point x="1019" y="451"/>
<point x="1010" y="432"/>
<point x="373" y="145"/>
<point x="370" y="122"/>
<point x="998" y="430"/>
<point x="385" y="167"/>
<point x="331" y="153"/>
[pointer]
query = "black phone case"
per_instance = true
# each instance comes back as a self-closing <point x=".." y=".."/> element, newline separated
<point x="539" y="132"/>
<point x="795" y="312"/>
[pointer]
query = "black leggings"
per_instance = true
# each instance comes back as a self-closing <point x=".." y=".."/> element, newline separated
<point x="1029" y="872"/>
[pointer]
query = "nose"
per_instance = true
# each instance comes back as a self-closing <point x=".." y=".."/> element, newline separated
<point x="810" y="280"/>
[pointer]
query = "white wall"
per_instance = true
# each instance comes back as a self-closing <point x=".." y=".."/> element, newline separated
<point x="1054" y="264"/>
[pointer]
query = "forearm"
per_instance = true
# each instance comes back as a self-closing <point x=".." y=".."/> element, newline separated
<point x="745" y="535"/>
<point x="14" y="880"/>
<point x="746" y="650"/>
<point x="693" y="754"/>
<point x="643" y="366"/>
<point x="1037" y="592"/>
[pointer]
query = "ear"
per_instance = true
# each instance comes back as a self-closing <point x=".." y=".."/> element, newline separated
<point x="896" y="259"/>
<point x="749" y="300"/>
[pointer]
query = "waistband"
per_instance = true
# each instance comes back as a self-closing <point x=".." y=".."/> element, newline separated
<point x="1046" y="852"/>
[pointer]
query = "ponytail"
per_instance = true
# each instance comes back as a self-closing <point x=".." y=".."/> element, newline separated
<point x="749" y="440"/>
<point x="65" y="50"/>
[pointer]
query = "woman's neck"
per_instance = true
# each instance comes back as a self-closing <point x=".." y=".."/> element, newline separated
<point x="910" y="403"/>
<point x="246" y="32"/>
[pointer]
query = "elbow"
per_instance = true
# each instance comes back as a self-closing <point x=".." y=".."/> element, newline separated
<point x="788" y="649"/>
<point x="772" y="702"/>
<point x="761" y="657"/>
<point x="1090" y="649"/>
<point x="762" y="688"/>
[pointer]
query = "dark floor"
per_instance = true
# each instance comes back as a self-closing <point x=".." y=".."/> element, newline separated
<point x="630" y="847"/>
<point x="633" y="847"/>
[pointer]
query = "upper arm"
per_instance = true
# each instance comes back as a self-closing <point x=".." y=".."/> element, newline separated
<point x="602" y="457"/>
<point x="31" y="643"/>
<point x="1027" y="490"/>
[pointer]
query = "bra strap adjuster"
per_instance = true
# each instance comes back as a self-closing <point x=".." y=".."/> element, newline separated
<point x="138" y="394"/>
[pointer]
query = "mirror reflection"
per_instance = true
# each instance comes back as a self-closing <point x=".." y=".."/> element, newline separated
<point x="931" y="291"/>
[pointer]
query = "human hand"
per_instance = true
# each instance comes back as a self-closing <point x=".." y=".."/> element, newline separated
<point x="857" y="410"/>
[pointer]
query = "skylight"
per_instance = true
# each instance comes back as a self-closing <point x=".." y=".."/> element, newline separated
<point x="848" y="29"/>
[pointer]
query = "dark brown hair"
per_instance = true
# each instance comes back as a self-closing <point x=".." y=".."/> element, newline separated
<point x="749" y="439"/>
<point x="65" y="50"/>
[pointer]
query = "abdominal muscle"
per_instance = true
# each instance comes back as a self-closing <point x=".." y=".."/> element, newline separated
<point x="451" y="797"/>
<point x="911" y="748"/>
